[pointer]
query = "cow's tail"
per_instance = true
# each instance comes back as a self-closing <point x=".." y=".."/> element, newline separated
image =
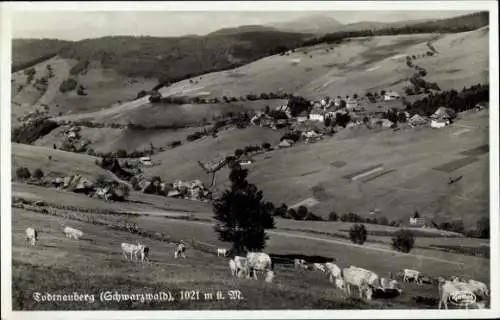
<point x="36" y="235"/>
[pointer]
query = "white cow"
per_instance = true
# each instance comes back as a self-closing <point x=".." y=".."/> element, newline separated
<point x="72" y="233"/>
<point x="371" y="277"/>
<point x="445" y="289"/>
<point x="241" y="267"/>
<point x="221" y="252"/>
<point x="232" y="267"/>
<point x="410" y="274"/>
<point x="31" y="235"/>
<point x="130" y="249"/>
<point x="300" y="263"/>
<point x="333" y="270"/>
<point x="390" y="284"/>
<point x="259" y="262"/>
<point x="180" y="250"/>
<point x="357" y="277"/>
<point x="319" y="267"/>
<point x="482" y="288"/>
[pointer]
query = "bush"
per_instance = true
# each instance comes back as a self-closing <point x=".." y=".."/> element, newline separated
<point x="281" y="211"/>
<point x="23" y="173"/>
<point x="483" y="227"/>
<point x="358" y="234"/>
<point x="312" y="217"/>
<point x="403" y="241"/>
<point x="301" y="213"/>
<point x="68" y="85"/>
<point x="266" y="146"/>
<point x="175" y="143"/>
<point x="238" y="152"/>
<point x="32" y="131"/>
<point x="333" y="216"/>
<point x="38" y="174"/>
<point x="121" y="153"/>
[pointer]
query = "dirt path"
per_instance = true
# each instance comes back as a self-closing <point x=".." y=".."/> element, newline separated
<point x="330" y="241"/>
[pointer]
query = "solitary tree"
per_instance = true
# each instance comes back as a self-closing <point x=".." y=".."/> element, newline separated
<point x="483" y="227"/>
<point x="333" y="216"/>
<point x="358" y="233"/>
<point x="403" y="241"/>
<point x="242" y="215"/>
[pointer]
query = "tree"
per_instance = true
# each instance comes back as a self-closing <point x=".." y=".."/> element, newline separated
<point x="358" y="233"/>
<point x="281" y="211"/>
<point x="301" y="212"/>
<point x="333" y="216"/>
<point x="403" y="241"/>
<point x="23" y="173"/>
<point x="121" y="153"/>
<point x="383" y="221"/>
<point x="483" y="227"/>
<point x="416" y="215"/>
<point x="382" y="92"/>
<point x="38" y="174"/>
<point x="239" y="152"/>
<point x="266" y="145"/>
<point x="242" y="215"/>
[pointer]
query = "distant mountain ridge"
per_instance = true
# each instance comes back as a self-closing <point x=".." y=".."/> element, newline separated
<point x="315" y="24"/>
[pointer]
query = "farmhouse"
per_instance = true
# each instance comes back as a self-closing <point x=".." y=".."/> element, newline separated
<point x="391" y="95"/>
<point x="145" y="161"/>
<point x="303" y="116"/>
<point x="245" y="160"/>
<point x="286" y="143"/>
<point x="443" y="113"/>
<point x="285" y="109"/>
<point x="417" y="120"/>
<point x="418" y="222"/>
<point x="317" y="114"/>
<point x="336" y="102"/>
<point x="351" y="103"/>
<point x="439" y="123"/>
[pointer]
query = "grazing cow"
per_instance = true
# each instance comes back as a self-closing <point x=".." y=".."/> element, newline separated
<point x="319" y="266"/>
<point x="259" y="262"/>
<point x="72" y="233"/>
<point x="340" y="283"/>
<point x="445" y="289"/>
<point x="221" y="252"/>
<point x="180" y="250"/>
<point x="389" y="284"/>
<point x="353" y="276"/>
<point x="31" y="235"/>
<point x="476" y="287"/>
<point x="232" y="267"/>
<point x="269" y="276"/>
<point x="333" y="270"/>
<point x="410" y="274"/>
<point x="144" y="250"/>
<point x="242" y="267"/>
<point x="371" y="277"/>
<point x="130" y="249"/>
<point x="482" y="288"/>
<point x="300" y="263"/>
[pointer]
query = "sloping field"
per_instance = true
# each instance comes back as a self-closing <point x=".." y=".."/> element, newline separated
<point x="181" y="162"/>
<point x="54" y="161"/>
<point x="67" y="260"/>
<point x="104" y="88"/>
<point x="113" y="139"/>
<point x="141" y="112"/>
<point x="356" y="66"/>
<point x="412" y="185"/>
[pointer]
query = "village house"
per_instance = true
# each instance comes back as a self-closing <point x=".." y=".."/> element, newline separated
<point x="351" y="103"/>
<point x="443" y="113"/>
<point x="145" y="161"/>
<point x="439" y="123"/>
<point x="418" y="222"/>
<point x="336" y="102"/>
<point x="317" y="114"/>
<point x="303" y="116"/>
<point x="245" y="160"/>
<point x="285" y="109"/>
<point x="391" y="95"/>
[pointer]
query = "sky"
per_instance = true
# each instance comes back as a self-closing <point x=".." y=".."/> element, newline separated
<point x="74" y="25"/>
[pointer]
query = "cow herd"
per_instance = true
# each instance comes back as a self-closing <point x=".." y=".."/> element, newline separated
<point x="368" y="282"/>
<point x="348" y="279"/>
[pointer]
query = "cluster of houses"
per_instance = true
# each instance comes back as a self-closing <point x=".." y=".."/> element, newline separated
<point x="193" y="190"/>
